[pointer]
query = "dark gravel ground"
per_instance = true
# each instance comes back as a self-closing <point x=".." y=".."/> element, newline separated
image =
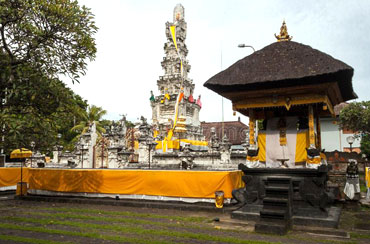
<point x="53" y="222"/>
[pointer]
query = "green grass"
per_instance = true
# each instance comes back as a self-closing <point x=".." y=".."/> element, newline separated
<point x="360" y="235"/>
<point x="90" y="234"/>
<point x="128" y="214"/>
<point x="318" y="240"/>
<point x="29" y="240"/>
<point x="135" y="230"/>
<point x="363" y="188"/>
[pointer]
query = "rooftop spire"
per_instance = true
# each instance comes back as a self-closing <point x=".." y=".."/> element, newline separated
<point x="284" y="36"/>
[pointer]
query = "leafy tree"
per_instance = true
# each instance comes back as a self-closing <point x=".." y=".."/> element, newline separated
<point x="54" y="36"/>
<point x="93" y="115"/>
<point x="356" y="117"/>
<point x="39" y="41"/>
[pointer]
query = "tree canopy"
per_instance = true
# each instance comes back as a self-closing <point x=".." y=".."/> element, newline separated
<point x="93" y="115"/>
<point x="356" y="117"/>
<point x="39" y="41"/>
<point x="53" y="36"/>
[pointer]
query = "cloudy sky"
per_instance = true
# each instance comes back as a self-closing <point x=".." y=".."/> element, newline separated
<point x="131" y="37"/>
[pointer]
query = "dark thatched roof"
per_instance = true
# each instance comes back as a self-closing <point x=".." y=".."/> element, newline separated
<point x="284" y="64"/>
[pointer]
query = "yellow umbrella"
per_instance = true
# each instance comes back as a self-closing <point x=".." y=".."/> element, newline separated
<point x="21" y="153"/>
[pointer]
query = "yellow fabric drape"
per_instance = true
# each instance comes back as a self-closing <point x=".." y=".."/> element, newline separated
<point x="175" y="144"/>
<point x="11" y="176"/>
<point x="194" y="184"/>
<point x="261" y="139"/>
<point x="178" y="99"/>
<point x="173" y="33"/>
<point x="303" y="142"/>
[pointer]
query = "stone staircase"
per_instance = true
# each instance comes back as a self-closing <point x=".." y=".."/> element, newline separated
<point x="276" y="214"/>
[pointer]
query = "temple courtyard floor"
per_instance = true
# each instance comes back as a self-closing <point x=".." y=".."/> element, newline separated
<point x="76" y="221"/>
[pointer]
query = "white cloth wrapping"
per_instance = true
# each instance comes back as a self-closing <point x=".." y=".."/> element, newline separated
<point x="255" y="164"/>
<point x="352" y="186"/>
<point x="312" y="166"/>
<point x="273" y="149"/>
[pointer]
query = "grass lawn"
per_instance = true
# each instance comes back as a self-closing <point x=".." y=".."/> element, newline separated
<point x="40" y="222"/>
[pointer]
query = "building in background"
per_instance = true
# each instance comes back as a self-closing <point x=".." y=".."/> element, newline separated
<point x="333" y="137"/>
<point x="235" y="131"/>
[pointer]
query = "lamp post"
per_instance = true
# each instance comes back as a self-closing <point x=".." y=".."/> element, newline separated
<point x="32" y="144"/>
<point x="59" y="147"/>
<point x="350" y="140"/>
<point x="151" y="143"/>
<point x="243" y="45"/>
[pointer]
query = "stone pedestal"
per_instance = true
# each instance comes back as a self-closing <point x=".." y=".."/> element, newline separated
<point x="302" y="200"/>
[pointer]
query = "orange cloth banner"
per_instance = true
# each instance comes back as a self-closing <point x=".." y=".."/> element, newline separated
<point x="171" y="183"/>
<point x="11" y="176"/>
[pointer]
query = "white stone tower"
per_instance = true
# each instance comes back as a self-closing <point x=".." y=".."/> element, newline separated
<point x="172" y="83"/>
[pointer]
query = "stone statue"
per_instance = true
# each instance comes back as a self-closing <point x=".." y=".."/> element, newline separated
<point x="353" y="183"/>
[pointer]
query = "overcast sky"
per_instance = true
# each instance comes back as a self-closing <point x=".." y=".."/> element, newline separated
<point x="131" y="37"/>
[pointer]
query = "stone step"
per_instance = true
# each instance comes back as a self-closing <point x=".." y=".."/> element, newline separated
<point x="275" y="207"/>
<point x="271" y="228"/>
<point x="277" y="191"/>
<point x="280" y="214"/>
<point x="276" y="201"/>
<point x="279" y="180"/>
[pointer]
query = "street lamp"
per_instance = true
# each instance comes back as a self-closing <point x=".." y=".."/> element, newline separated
<point x="350" y="140"/>
<point x="243" y="45"/>
<point x="32" y="144"/>
<point x="59" y="147"/>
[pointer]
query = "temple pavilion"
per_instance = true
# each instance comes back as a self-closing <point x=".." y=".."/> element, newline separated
<point x="286" y="86"/>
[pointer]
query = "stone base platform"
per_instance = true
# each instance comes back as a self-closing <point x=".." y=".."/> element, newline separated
<point x="277" y="198"/>
<point x="299" y="219"/>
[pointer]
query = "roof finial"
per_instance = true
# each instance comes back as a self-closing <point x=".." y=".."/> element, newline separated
<point x="284" y="36"/>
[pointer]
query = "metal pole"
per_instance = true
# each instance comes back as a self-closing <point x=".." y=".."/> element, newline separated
<point x="82" y="155"/>
<point x="350" y="147"/>
<point x="21" y="176"/>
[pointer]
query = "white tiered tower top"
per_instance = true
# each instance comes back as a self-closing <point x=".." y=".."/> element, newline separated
<point x="170" y="83"/>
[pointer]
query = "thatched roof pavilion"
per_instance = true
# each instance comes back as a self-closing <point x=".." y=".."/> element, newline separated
<point x="285" y="68"/>
<point x="284" y="79"/>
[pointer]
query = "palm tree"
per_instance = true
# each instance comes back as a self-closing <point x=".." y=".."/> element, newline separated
<point x="94" y="114"/>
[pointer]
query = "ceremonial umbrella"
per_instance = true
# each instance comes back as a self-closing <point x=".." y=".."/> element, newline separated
<point x="21" y="153"/>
